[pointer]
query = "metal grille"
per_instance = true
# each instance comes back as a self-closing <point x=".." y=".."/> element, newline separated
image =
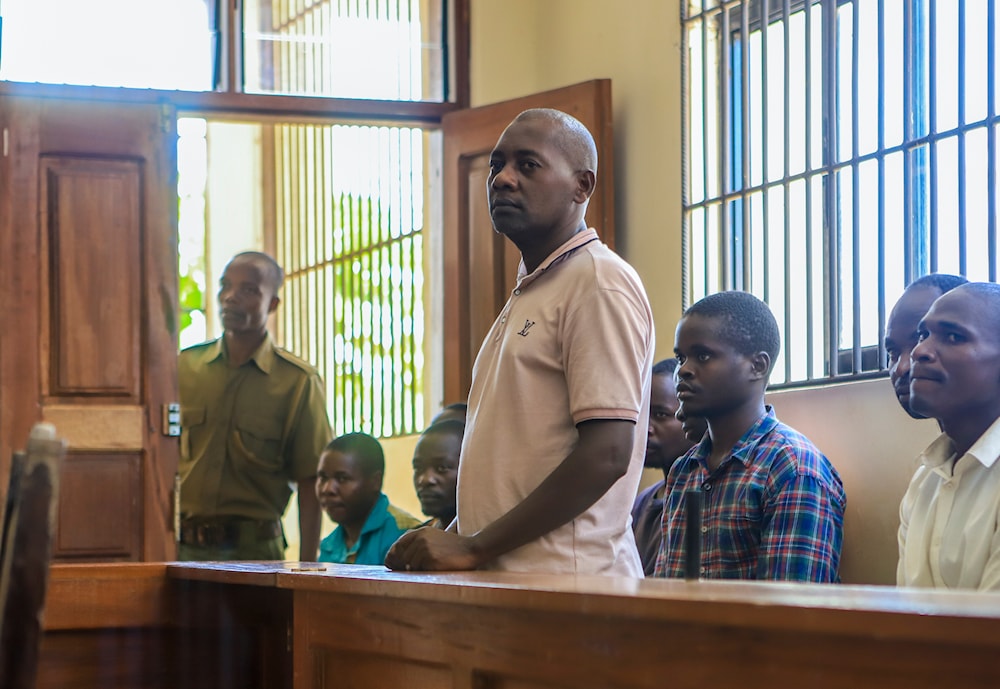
<point x="379" y="49"/>
<point x="349" y="219"/>
<point x="835" y="150"/>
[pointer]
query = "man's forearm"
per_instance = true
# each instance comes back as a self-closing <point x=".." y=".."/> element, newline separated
<point x="309" y="520"/>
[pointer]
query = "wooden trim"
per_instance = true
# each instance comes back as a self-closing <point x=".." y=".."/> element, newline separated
<point x="249" y="106"/>
<point x="461" y="52"/>
<point x="102" y="596"/>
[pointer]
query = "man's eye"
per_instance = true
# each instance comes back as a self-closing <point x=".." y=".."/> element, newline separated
<point x="704" y="357"/>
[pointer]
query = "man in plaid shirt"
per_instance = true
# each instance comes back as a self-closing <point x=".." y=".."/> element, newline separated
<point x="773" y="504"/>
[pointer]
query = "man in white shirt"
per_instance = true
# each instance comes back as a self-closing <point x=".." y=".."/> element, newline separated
<point x="948" y="532"/>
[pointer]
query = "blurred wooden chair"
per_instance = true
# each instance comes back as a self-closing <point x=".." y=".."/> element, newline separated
<point x="25" y="553"/>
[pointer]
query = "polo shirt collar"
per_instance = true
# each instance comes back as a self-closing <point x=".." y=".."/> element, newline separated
<point x="575" y="242"/>
<point x="263" y="356"/>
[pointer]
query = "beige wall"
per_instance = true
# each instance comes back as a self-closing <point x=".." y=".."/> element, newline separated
<point x="523" y="46"/>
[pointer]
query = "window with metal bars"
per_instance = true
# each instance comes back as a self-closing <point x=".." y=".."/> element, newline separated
<point x="348" y="230"/>
<point x="835" y="150"/>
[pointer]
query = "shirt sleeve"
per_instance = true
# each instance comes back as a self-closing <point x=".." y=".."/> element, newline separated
<point x="608" y="341"/>
<point x="801" y="533"/>
<point x="310" y="431"/>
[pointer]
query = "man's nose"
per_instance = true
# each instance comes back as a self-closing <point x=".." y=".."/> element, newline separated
<point x="502" y="178"/>
<point x="920" y="352"/>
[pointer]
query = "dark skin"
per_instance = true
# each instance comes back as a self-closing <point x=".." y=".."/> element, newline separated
<point x="716" y="382"/>
<point x="901" y="337"/>
<point x="666" y="441"/>
<point x="538" y="197"/>
<point x="246" y="299"/>
<point x="955" y="369"/>
<point x="346" y="492"/>
<point x="435" y="474"/>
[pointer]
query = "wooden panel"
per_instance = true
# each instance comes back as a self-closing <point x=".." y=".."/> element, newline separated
<point x="127" y="625"/>
<point x="19" y="281"/>
<point x="88" y="272"/>
<point x="337" y="670"/>
<point x="530" y="648"/>
<point x="94" y="300"/>
<point x="469" y="136"/>
<point x="99" y="513"/>
<point x="83" y="596"/>
<point x="96" y="427"/>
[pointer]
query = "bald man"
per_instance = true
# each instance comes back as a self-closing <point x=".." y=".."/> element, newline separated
<point x="559" y="403"/>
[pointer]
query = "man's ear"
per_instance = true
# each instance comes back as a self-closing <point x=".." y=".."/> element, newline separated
<point x="375" y="480"/>
<point x="275" y="300"/>
<point x="760" y="365"/>
<point x="586" y="181"/>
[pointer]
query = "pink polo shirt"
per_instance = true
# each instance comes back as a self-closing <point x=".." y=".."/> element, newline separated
<point x="574" y="342"/>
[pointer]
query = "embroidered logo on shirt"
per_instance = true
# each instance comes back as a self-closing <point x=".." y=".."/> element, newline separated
<point x="523" y="332"/>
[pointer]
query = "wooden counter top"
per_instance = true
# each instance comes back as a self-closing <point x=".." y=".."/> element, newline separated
<point x="340" y="625"/>
<point x="920" y="613"/>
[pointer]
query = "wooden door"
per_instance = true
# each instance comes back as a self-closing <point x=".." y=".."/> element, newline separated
<point x="480" y="266"/>
<point x="88" y="313"/>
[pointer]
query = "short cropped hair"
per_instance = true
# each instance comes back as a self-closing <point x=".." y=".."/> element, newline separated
<point x="273" y="273"/>
<point x="364" y="448"/>
<point x="747" y="322"/>
<point x="989" y="293"/>
<point x="447" y="427"/>
<point x="665" y="367"/>
<point x="940" y="281"/>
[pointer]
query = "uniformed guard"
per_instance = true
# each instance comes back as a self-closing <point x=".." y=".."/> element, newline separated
<point x="254" y="421"/>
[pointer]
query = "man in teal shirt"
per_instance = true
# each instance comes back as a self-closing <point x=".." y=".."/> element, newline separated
<point x="349" y="488"/>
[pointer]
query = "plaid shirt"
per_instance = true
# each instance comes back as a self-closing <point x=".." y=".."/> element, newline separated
<point x="774" y="509"/>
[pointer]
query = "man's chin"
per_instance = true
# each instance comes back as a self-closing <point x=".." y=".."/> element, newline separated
<point x="904" y="402"/>
<point x="922" y="410"/>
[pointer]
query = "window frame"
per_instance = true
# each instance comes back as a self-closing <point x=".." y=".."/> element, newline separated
<point x="734" y="187"/>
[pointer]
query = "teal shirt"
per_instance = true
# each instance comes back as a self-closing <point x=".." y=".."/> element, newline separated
<point x="384" y="525"/>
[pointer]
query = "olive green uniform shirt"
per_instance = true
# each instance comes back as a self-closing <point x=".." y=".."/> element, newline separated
<point x="247" y="432"/>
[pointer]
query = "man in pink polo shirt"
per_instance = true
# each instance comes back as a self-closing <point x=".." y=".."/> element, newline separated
<point x="559" y="403"/>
